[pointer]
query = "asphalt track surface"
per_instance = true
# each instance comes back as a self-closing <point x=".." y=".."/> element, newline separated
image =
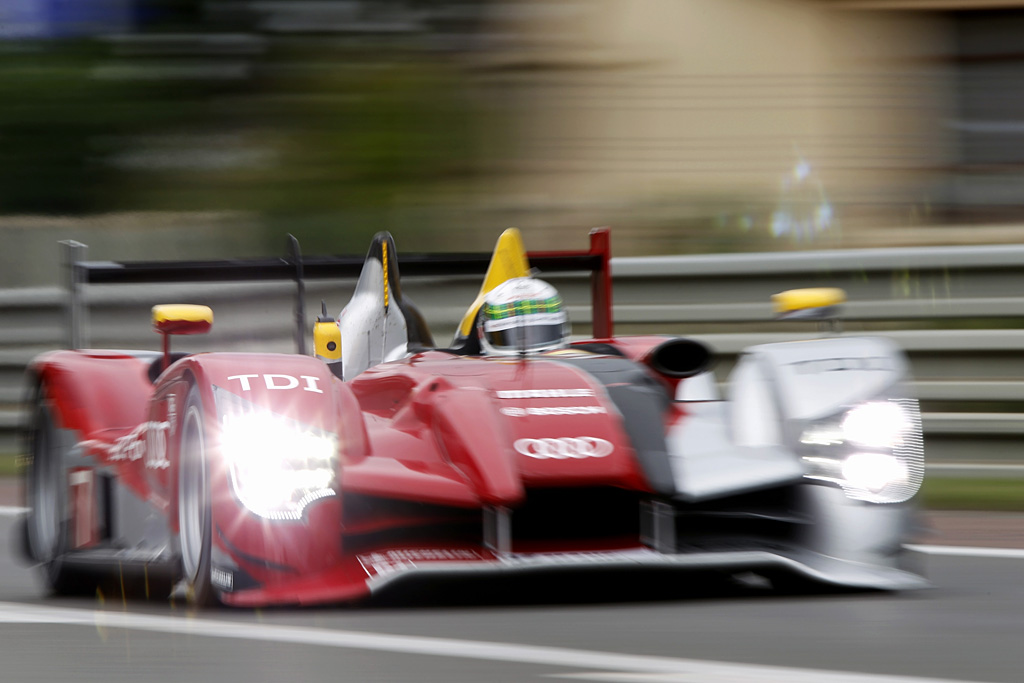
<point x="590" y="627"/>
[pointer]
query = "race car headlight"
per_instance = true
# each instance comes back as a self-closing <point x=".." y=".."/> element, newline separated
<point x="277" y="466"/>
<point x="879" y="424"/>
<point x="873" y="451"/>
<point x="873" y="471"/>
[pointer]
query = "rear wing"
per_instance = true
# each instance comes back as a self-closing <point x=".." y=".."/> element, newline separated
<point x="78" y="273"/>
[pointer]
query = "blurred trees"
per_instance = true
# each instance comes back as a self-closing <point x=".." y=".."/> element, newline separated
<point x="445" y="121"/>
<point x="317" y="133"/>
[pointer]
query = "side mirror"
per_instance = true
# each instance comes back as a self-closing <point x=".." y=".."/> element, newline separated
<point x="171" y="319"/>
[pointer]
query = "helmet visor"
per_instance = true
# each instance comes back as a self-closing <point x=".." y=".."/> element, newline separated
<point x="526" y="332"/>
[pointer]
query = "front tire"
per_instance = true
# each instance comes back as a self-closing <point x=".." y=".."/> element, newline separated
<point x="45" y="479"/>
<point x="194" y="511"/>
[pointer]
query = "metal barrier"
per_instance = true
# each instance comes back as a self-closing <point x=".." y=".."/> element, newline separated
<point x="957" y="311"/>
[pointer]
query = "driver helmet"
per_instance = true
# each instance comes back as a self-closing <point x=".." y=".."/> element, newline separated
<point x="522" y="315"/>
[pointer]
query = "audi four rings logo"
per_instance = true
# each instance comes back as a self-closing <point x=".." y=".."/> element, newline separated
<point x="564" y="448"/>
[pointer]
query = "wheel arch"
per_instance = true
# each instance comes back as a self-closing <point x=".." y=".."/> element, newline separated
<point x="93" y="390"/>
<point x="324" y="402"/>
<point x="300" y="388"/>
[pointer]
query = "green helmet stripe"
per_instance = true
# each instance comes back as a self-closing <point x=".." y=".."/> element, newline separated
<point x="522" y="307"/>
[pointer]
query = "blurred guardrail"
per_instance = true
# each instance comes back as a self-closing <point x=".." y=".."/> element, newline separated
<point x="957" y="311"/>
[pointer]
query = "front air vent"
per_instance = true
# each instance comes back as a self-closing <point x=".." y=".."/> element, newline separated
<point x="574" y="518"/>
<point x="766" y="519"/>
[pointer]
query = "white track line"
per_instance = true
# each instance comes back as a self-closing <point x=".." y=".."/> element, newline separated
<point x="601" y="663"/>
<point x="803" y="676"/>
<point x="11" y="511"/>
<point x="965" y="551"/>
<point x="980" y="467"/>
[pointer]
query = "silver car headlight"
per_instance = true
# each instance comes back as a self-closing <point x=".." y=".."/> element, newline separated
<point x="277" y="466"/>
<point x="873" y="451"/>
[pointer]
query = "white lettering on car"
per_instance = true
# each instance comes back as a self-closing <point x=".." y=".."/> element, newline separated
<point x="275" y="381"/>
<point x="564" y="448"/>
<point x="289" y="381"/>
<point x="391" y="561"/>
<point x="558" y="410"/>
<point x="172" y="410"/>
<point x="146" y="442"/>
<point x="156" y="446"/>
<point x="222" y="579"/>
<point x="865" y="363"/>
<point x="244" y="379"/>
<point x="546" y="393"/>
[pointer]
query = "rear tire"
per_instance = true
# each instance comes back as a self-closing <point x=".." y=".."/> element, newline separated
<point x="194" y="512"/>
<point x="46" y="524"/>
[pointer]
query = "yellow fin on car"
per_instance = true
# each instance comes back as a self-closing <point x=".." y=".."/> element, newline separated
<point x="508" y="261"/>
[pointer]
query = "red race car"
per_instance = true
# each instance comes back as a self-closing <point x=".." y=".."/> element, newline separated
<point x="267" y="478"/>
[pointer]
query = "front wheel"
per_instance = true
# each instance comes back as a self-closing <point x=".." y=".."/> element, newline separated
<point x="45" y="480"/>
<point x="194" y="512"/>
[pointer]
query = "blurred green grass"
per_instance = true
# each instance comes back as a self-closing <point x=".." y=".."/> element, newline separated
<point x="328" y="141"/>
<point x="1006" y="494"/>
<point x="939" y="493"/>
<point x="8" y="465"/>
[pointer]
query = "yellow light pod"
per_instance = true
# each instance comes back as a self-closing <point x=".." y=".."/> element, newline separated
<point x="808" y="304"/>
<point x="327" y="340"/>
<point x="182" y="319"/>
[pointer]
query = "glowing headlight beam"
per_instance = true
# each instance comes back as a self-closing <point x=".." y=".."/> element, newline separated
<point x="874" y="451"/>
<point x="277" y="466"/>
<point x="880" y="424"/>
<point x="873" y="471"/>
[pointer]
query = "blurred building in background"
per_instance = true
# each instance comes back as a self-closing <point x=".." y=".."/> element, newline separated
<point x="824" y="122"/>
<point x="688" y="125"/>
